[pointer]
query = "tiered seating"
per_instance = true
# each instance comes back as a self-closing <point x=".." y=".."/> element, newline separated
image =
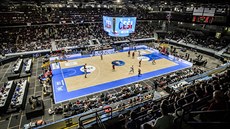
<point x="38" y="37"/>
<point x="209" y="42"/>
<point x="183" y="107"/>
<point x="198" y="96"/>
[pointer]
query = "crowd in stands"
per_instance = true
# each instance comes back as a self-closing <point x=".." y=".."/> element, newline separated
<point x="228" y="50"/>
<point x="39" y="37"/>
<point x="177" y="35"/>
<point x="205" y="95"/>
<point x="35" y="14"/>
<point x="198" y="38"/>
<point x="30" y="38"/>
<point x="20" y="39"/>
<point x="209" y="42"/>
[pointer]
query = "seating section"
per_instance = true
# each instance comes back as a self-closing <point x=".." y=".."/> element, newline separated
<point x="198" y="38"/>
<point x="209" y="42"/>
<point x="39" y="37"/>
<point x="200" y="97"/>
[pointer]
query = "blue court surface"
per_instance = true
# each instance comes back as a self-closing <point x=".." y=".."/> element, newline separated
<point x="59" y="87"/>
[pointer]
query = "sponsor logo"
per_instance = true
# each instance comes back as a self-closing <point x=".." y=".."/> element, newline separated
<point x="70" y="63"/>
<point x="143" y="58"/>
<point x="55" y="66"/>
<point x="60" y="88"/>
<point x="105" y="52"/>
<point x="60" y="85"/>
<point x="89" y="68"/>
<point x="125" y="25"/>
<point x="118" y="63"/>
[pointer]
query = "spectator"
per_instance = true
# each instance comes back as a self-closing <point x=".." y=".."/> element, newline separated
<point x="166" y="120"/>
<point x="147" y="126"/>
<point x="218" y="103"/>
<point x="132" y="123"/>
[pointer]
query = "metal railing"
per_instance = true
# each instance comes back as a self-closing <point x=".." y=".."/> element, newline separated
<point x="96" y="117"/>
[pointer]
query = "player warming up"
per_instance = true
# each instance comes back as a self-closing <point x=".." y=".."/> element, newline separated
<point x="113" y="67"/>
<point x="140" y="62"/>
<point x="85" y="66"/>
<point x="101" y="56"/>
<point x="139" y="72"/>
<point x="129" y="53"/>
<point x="153" y="62"/>
<point x="133" y="55"/>
<point x="85" y="70"/>
<point x="131" y="69"/>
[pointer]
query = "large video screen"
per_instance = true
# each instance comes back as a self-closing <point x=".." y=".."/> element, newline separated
<point x="125" y="25"/>
<point x="119" y="26"/>
<point x="108" y="24"/>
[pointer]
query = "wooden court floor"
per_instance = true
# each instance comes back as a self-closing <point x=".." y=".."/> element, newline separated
<point x="104" y="72"/>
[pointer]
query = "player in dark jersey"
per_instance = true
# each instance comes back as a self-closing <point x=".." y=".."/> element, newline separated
<point x="101" y="57"/>
<point x="85" y="71"/>
<point x="113" y="67"/>
<point x="140" y="62"/>
<point x="85" y="66"/>
<point x="139" y="72"/>
<point x="133" y="55"/>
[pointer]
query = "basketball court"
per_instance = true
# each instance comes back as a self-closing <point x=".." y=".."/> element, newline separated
<point x="69" y="77"/>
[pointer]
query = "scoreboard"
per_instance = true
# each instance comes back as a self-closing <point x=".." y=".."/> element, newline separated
<point x="119" y="26"/>
<point x="202" y="19"/>
<point x="203" y="15"/>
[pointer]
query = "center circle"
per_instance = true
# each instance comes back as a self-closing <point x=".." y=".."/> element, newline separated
<point x="118" y="62"/>
<point x="89" y="68"/>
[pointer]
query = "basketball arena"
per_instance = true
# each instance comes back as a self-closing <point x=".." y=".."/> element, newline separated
<point x="114" y="64"/>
